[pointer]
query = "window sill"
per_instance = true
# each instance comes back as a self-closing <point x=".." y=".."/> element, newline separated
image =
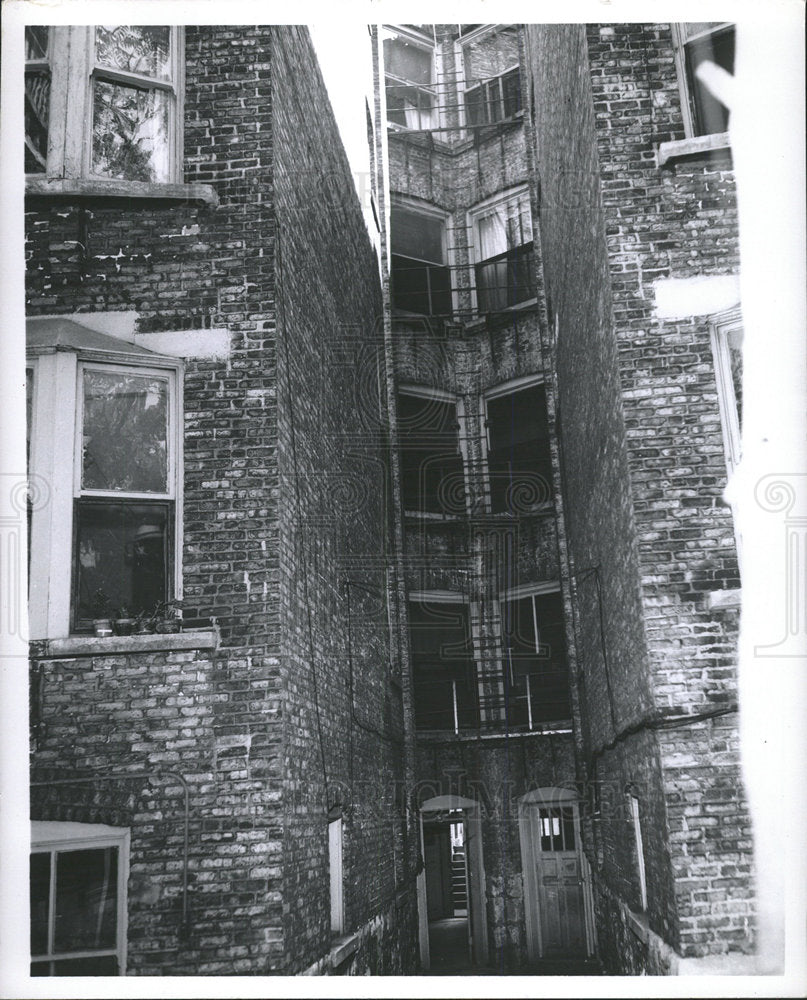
<point x="342" y="947"/>
<point x="701" y="145"/>
<point x="81" y="645"/>
<point x="639" y="924"/>
<point x="97" y="188"/>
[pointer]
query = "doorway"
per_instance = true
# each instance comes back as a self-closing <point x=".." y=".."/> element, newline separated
<point x="557" y="881"/>
<point x="453" y="932"/>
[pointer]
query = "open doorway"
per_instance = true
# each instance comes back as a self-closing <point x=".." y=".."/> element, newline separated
<point x="453" y="933"/>
<point x="447" y="890"/>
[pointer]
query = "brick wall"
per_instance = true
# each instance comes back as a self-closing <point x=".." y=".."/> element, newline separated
<point x="344" y="738"/>
<point x="639" y="425"/>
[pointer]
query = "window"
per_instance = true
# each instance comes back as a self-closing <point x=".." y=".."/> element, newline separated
<point x="335" y="868"/>
<point x="695" y="44"/>
<point x="493" y="100"/>
<point x="442" y="662"/>
<point x="536" y="673"/>
<point x="432" y="477"/>
<point x="421" y="280"/>
<point x="123" y="511"/>
<point x="501" y="233"/>
<point x="408" y="70"/>
<point x="104" y="102"/>
<point x="78" y="876"/>
<point x="727" y="350"/>
<point x="633" y="805"/>
<point x="108" y="537"/>
<point x="519" y="463"/>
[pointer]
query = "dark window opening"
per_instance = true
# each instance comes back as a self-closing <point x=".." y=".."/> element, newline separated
<point x="519" y="460"/>
<point x="505" y="280"/>
<point x="431" y="465"/>
<point x="536" y="673"/>
<point x="421" y="281"/>
<point x="709" y="115"/>
<point x="494" y="100"/>
<point x="445" y="693"/>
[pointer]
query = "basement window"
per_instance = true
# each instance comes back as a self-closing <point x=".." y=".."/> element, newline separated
<point x="697" y="43"/>
<point x="503" y="253"/>
<point x="519" y="463"/>
<point x="536" y="670"/>
<point x="432" y="476"/>
<point x="442" y="663"/>
<point x="421" y="278"/>
<point x="78" y="876"/>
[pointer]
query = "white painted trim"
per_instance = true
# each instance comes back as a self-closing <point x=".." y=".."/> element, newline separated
<point x="336" y="872"/>
<point x="637" y="835"/>
<point x="720" y="328"/>
<point x="528" y="590"/>
<point x="514" y="385"/>
<point x="49" y="837"/>
<point x="437" y="597"/>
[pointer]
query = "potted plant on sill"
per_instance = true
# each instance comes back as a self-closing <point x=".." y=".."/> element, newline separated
<point x="168" y="617"/>
<point x="124" y="623"/>
<point x="102" y="614"/>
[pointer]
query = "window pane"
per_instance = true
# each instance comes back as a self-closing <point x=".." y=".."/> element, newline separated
<point x="407" y="62"/>
<point x="734" y="340"/>
<point x="130" y="132"/>
<point x="86" y="901"/>
<point x="37" y="101"/>
<point x="711" y="115"/>
<point x="145" y="50"/>
<point x="40" y="893"/>
<point x="431" y="466"/>
<point x="36" y="41"/>
<point x="122" y="550"/>
<point x="417" y="236"/>
<point x="519" y="461"/>
<point x="125" y="432"/>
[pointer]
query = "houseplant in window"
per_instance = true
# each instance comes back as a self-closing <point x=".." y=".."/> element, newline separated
<point x="169" y="617"/>
<point x="125" y="622"/>
<point x="101" y="611"/>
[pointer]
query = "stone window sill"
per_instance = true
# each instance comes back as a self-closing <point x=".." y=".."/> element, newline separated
<point x="700" y="145"/>
<point x="96" y="188"/>
<point x="87" y="645"/>
<point x="342" y="948"/>
<point x="639" y="923"/>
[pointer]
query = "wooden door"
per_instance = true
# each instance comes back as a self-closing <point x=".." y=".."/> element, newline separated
<point x="559" y="880"/>
<point x="437" y="860"/>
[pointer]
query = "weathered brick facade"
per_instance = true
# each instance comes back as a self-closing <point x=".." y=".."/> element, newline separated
<point x="650" y="536"/>
<point x="260" y="718"/>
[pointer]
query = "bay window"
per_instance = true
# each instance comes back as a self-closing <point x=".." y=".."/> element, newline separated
<point x="105" y="436"/>
<point x="504" y="262"/>
<point x="536" y="674"/>
<point x="104" y="102"/>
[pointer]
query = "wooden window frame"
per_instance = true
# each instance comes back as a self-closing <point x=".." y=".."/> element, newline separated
<point x="521" y="196"/>
<point x="506" y="389"/>
<point x="57" y="391"/>
<point x="55" y="838"/>
<point x="73" y="73"/>
<point x="680" y="43"/>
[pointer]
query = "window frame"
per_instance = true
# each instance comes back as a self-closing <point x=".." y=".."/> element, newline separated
<point x="680" y="43"/>
<point x="54" y="838"/>
<point x="426" y="597"/>
<point x="720" y="329"/>
<point x="336" y="874"/>
<point x="484" y="83"/>
<point x="432" y="88"/>
<point x="519" y="593"/>
<point x="57" y="390"/>
<point x="73" y="72"/>
<point x="439" y="396"/>
<point x="497" y="392"/>
<point x="519" y="194"/>
<point x="427" y="211"/>
<point x="636" y="825"/>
